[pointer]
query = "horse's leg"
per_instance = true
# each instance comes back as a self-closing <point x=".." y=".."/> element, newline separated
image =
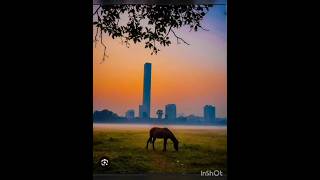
<point x="153" y="140"/>
<point x="165" y="144"/>
<point x="149" y="141"/>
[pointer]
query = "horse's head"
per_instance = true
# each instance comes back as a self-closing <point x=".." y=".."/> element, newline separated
<point x="176" y="145"/>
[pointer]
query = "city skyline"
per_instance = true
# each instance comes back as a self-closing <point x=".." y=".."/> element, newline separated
<point x="190" y="76"/>
<point x="208" y="112"/>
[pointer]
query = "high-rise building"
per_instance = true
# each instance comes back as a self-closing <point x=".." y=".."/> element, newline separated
<point x="171" y="112"/>
<point x="130" y="114"/>
<point x="209" y="113"/>
<point x="145" y="107"/>
<point x="142" y="112"/>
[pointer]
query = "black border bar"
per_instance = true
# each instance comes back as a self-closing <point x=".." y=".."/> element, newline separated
<point x="159" y="2"/>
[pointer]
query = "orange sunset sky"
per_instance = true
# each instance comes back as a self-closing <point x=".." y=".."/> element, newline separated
<point x="188" y="76"/>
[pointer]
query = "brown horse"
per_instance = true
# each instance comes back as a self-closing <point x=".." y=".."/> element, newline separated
<point x="163" y="133"/>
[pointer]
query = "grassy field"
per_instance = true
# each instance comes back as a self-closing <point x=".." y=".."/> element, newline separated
<point x="199" y="149"/>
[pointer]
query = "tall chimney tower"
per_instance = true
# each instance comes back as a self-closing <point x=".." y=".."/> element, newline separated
<point x="145" y="109"/>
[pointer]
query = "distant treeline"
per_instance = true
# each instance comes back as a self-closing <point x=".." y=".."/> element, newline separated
<point x="107" y="116"/>
<point x="104" y="115"/>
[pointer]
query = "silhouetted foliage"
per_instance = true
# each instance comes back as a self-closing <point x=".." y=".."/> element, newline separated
<point x="150" y="24"/>
<point x="159" y="113"/>
<point x="104" y="115"/>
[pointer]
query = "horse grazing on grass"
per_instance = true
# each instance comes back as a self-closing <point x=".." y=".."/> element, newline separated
<point x="162" y="133"/>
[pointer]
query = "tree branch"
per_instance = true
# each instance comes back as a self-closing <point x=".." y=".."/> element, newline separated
<point x="179" y="38"/>
<point x="105" y="47"/>
<point x="95" y="38"/>
<point x="97" y="10"/>
<point x="168" y="31"/>
<point x="154" y="41"/>
<point x="203" y="28"/>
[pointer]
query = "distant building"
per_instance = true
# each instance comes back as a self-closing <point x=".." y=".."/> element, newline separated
<point x="209" y="113"/>
<point x="171" y="112"/>
<point x="142" y="112"/>
<point x="130" y="114"/>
